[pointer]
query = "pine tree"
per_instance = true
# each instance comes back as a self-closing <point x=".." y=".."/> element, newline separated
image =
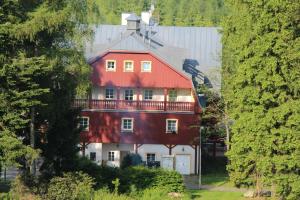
<point x="41" y="55"/>
<point x="261" y="86"/>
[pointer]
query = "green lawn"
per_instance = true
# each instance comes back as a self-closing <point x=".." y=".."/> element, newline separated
<point x="216" y="180"/>
<point x="215" y="195"/>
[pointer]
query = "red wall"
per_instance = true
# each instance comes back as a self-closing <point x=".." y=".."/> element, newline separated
<point x="161" y="76"/>
<point x="149" y="128"/>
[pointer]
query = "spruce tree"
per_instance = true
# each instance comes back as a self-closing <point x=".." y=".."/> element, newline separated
<point x="42" y="67"/>
<point x="261" y="86"/>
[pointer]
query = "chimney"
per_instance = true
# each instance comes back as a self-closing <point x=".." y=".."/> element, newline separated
<point x="133" y="22"/>
<point x="123" y="19"/>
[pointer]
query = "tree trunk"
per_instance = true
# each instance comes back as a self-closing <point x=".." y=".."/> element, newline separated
<point x="32" y="139"/>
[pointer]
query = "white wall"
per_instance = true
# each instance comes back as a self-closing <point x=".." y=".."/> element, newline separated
<point x="158" y="149"/>
<point x="161" y="150"/>
<point x="95" y="147"/>
<point x="183" y="95"/>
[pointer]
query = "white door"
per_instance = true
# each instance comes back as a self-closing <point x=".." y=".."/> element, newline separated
<point x="167" y="162"/>
<point x="183" y="164"/>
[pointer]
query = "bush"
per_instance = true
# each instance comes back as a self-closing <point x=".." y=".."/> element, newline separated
<point x="105" y="194"/>
<point x="143" y="178"/>
<point x="76" y="185"/>
<point x="103" y="175"/>
<point x="131" y="159"/>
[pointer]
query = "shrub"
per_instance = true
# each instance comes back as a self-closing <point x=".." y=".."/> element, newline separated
<point x="143" y="178"/>
<point x="103" y="175"/>
<point x="131" y="159"/>
<point x="70" y="186"/>
<point x="171" y="181"/>
<point x="105" y="194"/>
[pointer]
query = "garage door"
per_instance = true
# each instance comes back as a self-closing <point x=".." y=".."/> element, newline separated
<point x="183" y="164"/>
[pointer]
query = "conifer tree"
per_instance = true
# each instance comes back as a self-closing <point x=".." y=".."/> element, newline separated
<point x="41" y="45"/>
<point x="261" y="86"/>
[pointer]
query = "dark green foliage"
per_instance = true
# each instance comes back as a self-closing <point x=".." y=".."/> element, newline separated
<point x="142" y="178"/>
<point x="70" y="186"/>
<point x="170" y="12"/>
<point x="262" y="89"/>
<point x="102" y="175"/>
<point x="131" y="160"/>
<point x="42" y="68"/>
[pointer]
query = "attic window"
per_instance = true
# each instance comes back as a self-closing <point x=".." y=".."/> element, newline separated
<point x="128" y="66"/>
<point x="146" y="66"/>
<point x="110" y="65"/>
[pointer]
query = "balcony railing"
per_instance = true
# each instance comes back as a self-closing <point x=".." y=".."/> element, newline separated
<point x="133" y="105"/>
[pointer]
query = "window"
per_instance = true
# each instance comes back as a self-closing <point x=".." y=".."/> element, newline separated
<point x="93" y="156"/>
<point x="127" y="124"/>
<point x="148" y="94"/>
<point x="129" y="95"/>
<point x="150" y="157"/>
<point x="172" y="95"/>
<point x="109" y="93"/>
<point x="84" y="123"/>
<point x="111" y="156"/>
<point x="146" y="66"/>
<point x="172" y="126"/>
<point x="110" y="65"/>
<point x="128" y="66"/>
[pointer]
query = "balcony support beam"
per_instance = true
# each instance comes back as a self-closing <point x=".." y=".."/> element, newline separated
<point x="165" y="99"/>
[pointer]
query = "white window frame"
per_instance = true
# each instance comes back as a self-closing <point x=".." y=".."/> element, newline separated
<point x="149" y="154"/>
<point x="123" y="123"/>
<point x="113" y="93"/>
<point x="147" y="91"/>
<point x="111" y="69"/>
<point x="167" y="127"/>
<point x="132" y="66"/>
<point x="130" y="95"/>
<point x="111" y="156"/>
<point x="81" y="125"/>
<point x="142" y="66"/>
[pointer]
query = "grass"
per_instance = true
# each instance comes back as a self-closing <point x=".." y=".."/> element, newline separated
<point x="215" y="195"/>
<point x="216" y="180"/>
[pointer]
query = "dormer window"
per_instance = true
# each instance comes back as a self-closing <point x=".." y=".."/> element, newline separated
<point x="146" y="66"/>
<point x="128" y="66"/>
<point x="110" y="65"/>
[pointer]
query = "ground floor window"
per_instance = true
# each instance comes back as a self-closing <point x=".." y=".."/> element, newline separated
<point x="93" y="156"/>
<point x="111" y="156"/>
<point x="150" y="157"/>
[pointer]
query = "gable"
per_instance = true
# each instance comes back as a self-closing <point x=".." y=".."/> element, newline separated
<point x="161" y="76"/>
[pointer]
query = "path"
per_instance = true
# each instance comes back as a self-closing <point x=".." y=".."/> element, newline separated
<point x="191" y="182"/>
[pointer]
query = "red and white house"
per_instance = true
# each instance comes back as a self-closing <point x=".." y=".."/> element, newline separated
<point x="142" y="101"/>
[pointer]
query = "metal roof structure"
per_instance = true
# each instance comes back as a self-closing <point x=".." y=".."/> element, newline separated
<point x="195" y="51"/>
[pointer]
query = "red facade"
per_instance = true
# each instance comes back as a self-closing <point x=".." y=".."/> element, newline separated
<point x="149" y="117"/>
<point x="161" y="76"/>
<point x="149" y="128"/>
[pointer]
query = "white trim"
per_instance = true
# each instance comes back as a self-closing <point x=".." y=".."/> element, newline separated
<point x="124" y="65"/>
<point x="122" y="126"/>
<point x="146" y="61"/>
<point x="106" y="65"/>
<point x="167" y="131"/>
<point x="88" y="123"/>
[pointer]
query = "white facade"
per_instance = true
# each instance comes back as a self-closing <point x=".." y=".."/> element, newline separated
<point x="181" y="159"/>
<point x="183" y="95"/>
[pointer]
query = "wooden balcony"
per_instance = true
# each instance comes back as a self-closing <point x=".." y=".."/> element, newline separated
<point x="134" y="105"/>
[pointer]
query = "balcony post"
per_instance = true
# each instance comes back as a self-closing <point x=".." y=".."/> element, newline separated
<point x="90" y="99"/>
<point x="165" y="99"/>
<point x="138" y="98"/>
<point x="118" y="98"/>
